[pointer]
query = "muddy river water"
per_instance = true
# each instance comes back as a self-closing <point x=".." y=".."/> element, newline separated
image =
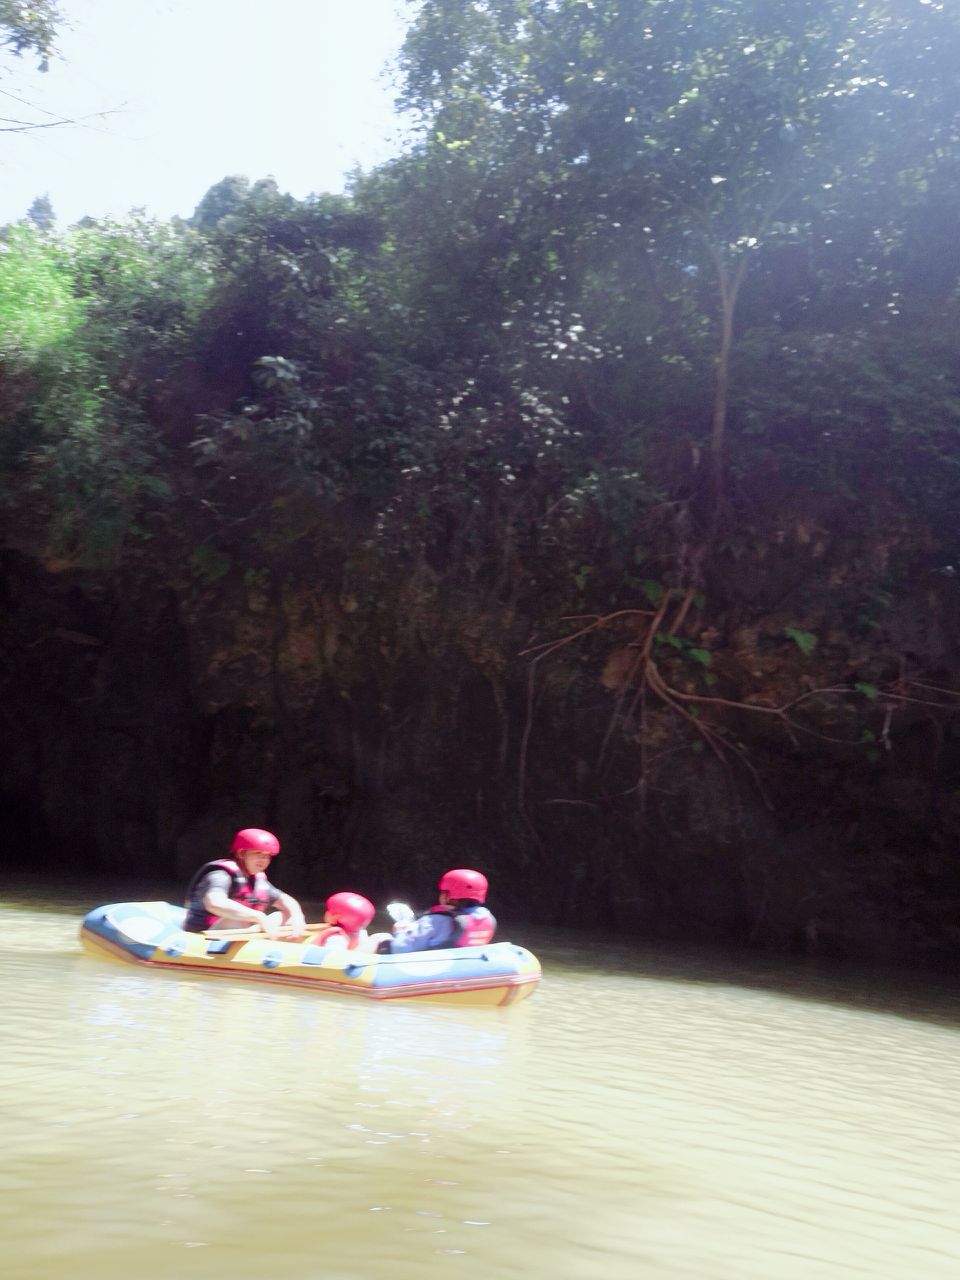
<point x="640" y="1116"/>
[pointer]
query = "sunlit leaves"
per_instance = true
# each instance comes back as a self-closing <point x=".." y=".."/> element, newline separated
<point x="29" y="26"/>
<point x="37" y="304"/>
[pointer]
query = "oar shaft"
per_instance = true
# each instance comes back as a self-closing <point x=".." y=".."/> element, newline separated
<point x="282" y="931"/>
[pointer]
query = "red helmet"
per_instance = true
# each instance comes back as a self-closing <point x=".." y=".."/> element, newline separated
<point x="352" y="911"/>
<point x="463" y="883"/>
<point x="253" y="840"/>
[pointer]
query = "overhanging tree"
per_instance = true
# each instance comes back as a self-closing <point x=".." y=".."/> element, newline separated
<point x="29" y="26"/>
<point x="703" y="133"/>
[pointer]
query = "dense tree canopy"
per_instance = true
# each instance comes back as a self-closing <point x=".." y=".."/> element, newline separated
<point x="692" y="140"/>
<point x="624" y="228"/>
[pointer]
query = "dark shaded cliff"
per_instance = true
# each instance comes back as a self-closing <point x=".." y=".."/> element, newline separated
<point x="387" y="732"/>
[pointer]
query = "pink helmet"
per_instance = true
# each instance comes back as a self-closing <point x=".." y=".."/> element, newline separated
<point x="253" y="840"/>
<point x="464" y="883"/>
<point x="352" y="911"/>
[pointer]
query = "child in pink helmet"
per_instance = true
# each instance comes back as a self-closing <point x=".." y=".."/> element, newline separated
<point x="345" y="922"/>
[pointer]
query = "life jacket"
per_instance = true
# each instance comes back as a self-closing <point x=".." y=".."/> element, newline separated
<point x="329" y="931"/>
<point x="252" y="891"/>
<point x="474" y="925"/>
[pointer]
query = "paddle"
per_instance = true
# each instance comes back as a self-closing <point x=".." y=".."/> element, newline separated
<point x="282" y="931"/>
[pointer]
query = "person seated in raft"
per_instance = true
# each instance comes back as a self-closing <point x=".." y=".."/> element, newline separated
<point x="234" y="892"/>
<point x="458" y="920"/>
<point x="345" y="921"/>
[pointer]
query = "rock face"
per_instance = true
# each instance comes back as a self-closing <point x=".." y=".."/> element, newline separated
<point x="776" y="766"/>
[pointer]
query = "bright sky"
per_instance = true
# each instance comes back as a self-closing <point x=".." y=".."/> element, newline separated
<point x="180" y="93"/>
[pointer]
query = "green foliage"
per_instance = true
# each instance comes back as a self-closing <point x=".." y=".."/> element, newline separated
<point x="209" y="563"/>
<point x="146" y="284"/>
<point x="87" y="322"/>
<point x="38" y="306"/>
<point x="673" y="146"/>
<point x="223" y="199"/>
<point x="29" y="26"/>
<point x="805" y="641"/>
<point x="684" y="647"/>
<point x="653" y="591"/>
<point x="830" y="404"/>
<point x="489" y="357"/>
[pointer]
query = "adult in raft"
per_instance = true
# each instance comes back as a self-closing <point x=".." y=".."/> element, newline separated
<point x="234" y="892"/>
<point x="458" y="920"/>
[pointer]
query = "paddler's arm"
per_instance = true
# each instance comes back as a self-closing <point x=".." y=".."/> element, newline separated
<point x="231" y="912"/>
<point x="292" y="912"/>
<point x="423" y="934"/>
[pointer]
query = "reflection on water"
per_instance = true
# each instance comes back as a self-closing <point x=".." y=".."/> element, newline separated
<point x="664" y="1121"/>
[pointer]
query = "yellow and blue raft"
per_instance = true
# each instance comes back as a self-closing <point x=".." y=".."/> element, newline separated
<point x="152" y="933"/>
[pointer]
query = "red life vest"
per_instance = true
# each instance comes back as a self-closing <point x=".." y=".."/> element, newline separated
<point x="252" y="891"/>
<point x="329" y="931"/>
<point x="474" y="925"/>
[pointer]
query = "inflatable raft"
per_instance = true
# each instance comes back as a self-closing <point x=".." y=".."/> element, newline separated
<point x="151" y="933"/>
